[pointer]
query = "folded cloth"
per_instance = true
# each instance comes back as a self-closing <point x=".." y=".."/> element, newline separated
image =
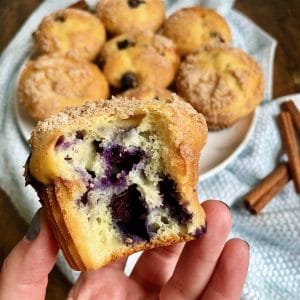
<point x="271" y="273"/>
<point x="273" y="235"/>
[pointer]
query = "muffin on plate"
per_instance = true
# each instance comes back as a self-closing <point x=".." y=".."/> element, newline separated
<point x="71" y="31"/>
<point x="118" y="177"/>
<point x="147" y="93"/>
<point x="223" y="83"/>
<point x="121" y="16"/>
<point x="139" y="59"/>
<point x="50" y="83"/>
<point x="194" y="27"/>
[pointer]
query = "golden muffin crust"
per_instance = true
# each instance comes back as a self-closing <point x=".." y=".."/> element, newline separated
<point x="66" y="163"/>
<point x="194" y="27"/>
<point x="224" y="84"/>
<point x="50" y="83"/>
<point x="147" y="93"/>
<point x="121" y="16"/>
<point x="139" y="59"/>
<point x="71" y="31"/>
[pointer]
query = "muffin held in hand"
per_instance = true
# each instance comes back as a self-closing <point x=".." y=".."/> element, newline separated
<point x="121" y="16"/>
<point x="139" y="59"/>
<point x="50" y="83"/>
<point x="224" y="84"/>
<point x="194" y="27"/>
<point x="147" y="93"/>
<point x="118" y="177"/>
<point x="71" y="31"/>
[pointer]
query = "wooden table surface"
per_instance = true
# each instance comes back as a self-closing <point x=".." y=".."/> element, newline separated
<point x="280" y="18"/>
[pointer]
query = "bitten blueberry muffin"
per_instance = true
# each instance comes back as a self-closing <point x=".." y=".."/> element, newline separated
<point x="147" y="93"/>
<point x="118" y="177"/>
<point x="194" y="27"/>
<point x="223" y="83"/>
<point x="139" y="59"/>
<point x="121" y="16"/>
<point x="71" y="31"/>
<point x="51" y="83"/>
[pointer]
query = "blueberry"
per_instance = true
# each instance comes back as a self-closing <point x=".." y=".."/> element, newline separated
<point x="200" y="231"/>
<point x="59" y="141"/>
<point x="135" y="3"/>
<point x="118" y="159"/>
<point x="59" y="18"/>
<point x="128" y="81"/>
<point x="124" y="44"/>
<point x="129" y="213"/>
<point x="170" y="199"/>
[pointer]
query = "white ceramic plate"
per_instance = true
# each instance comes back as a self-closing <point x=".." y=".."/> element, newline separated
<point x="221" y="147"/>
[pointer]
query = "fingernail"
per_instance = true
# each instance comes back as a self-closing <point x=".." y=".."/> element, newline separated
<point x="34" y="227"/>
<point x="247" y="243"/>
<point x="225" y="204"/>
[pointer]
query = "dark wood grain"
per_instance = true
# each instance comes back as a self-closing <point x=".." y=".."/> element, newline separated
<point x="280" y="18"/>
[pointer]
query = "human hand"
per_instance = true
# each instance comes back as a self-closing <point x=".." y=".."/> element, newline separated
<point x="208" y="268"/>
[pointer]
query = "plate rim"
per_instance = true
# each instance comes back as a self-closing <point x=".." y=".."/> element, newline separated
<point x="234" y="154"/>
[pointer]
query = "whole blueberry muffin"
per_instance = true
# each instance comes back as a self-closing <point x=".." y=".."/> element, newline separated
<point x="71" y="31"/>
<point x="118" y="177"/>
<point x="194" y="27"/>
<point x="50" y="83"/>
<point x="139" y="59"/>
<point x="147" y="93"/>
<point x="223" y="83"/>
<point x="121" y="16"/>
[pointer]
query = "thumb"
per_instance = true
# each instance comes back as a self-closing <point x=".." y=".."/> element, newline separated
<point x="24" y="273"/>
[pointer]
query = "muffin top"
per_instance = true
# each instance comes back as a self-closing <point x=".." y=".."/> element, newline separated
<point x="71" y="31"/>
<point x="194" y="27"/>
<point x="120" y="16"/>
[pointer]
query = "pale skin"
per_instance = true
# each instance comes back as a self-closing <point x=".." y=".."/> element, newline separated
<point x="209" y="268"/>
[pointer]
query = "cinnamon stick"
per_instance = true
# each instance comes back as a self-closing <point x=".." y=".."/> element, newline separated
<point x="291" y="107"/>
<point x="288" y="136"/>
<point x="269" y="195"/>
<point x="263" y="193"/>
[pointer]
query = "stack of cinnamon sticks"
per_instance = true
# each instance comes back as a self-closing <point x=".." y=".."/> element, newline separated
<point x="261" y="195"/>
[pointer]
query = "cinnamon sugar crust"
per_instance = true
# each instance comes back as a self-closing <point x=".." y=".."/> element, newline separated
<point x="51" y="83"/>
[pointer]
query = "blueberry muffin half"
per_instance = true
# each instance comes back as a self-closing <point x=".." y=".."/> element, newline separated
<point x="223" y="83"/>
<point x="118" y="177"/>
<point x="121" y="16"/>
<point x="139" y="59"/>
<point x="192" y="28"/>
<point x="71" y="31"/>
<point x="50" y="83"/>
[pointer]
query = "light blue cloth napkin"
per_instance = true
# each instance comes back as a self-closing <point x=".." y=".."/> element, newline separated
<point x="274" y="235"/>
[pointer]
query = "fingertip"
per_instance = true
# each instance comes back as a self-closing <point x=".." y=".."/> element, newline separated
<point x="27" y="266"/>
<point x="217" y="212"/>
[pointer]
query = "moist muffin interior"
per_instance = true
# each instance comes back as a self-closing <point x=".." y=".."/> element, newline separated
<point x="129" y="197"/>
